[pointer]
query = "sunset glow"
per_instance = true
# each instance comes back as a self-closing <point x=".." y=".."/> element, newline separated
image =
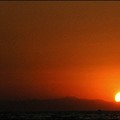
<point x="117" y="97"/>
<point x="60" y="49"/>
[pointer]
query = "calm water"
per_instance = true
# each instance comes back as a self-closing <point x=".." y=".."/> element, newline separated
<point x="64" y="115"/>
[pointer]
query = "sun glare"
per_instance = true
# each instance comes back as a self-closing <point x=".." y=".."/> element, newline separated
<point x="117" y="97"/>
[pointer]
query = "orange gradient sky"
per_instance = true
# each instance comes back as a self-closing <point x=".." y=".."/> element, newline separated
<point x="57" y="49"/>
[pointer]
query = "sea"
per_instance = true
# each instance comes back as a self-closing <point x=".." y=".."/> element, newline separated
<point x="61" y="115"/>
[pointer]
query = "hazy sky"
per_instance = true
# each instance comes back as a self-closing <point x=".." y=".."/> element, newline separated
<point x="57" y="49"/>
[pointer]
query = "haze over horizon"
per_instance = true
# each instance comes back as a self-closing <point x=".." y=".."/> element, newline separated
<point x="51" y="49"/>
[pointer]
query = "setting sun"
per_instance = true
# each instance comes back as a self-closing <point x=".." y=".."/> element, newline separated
<point x="117" y="97"/>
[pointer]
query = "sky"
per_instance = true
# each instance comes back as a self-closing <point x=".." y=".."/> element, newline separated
<point x="58" y="49"/>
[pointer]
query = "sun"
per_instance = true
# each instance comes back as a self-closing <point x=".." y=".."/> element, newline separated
<point x="117" y="97"/>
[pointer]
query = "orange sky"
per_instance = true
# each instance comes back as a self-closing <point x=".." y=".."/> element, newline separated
<point x="57" y="49"/>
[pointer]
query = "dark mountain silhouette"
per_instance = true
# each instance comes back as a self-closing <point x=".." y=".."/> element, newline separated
<point x="67" y="103"/>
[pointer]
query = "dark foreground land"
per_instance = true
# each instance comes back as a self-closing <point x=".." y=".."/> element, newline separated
<point x="61" y="115"/>
<point x="68" y="108"/>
